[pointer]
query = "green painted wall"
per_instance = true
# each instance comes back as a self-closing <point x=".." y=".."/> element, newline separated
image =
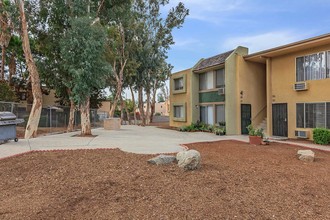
<point x="207" y="97"/>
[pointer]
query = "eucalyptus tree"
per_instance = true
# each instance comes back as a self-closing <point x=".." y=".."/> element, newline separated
<point x="5" y="33"/>
<point x="33" y="122"/>
<point x="82" y="50"/>
<point x="156" y="39"/>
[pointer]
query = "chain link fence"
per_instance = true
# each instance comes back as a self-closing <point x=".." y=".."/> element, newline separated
<point x="53" y="118"/>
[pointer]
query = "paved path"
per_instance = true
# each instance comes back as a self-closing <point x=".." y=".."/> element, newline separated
<point x="135" y="139"/>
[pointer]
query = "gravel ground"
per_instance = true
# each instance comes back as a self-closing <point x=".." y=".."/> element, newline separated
<point x="236" y="181"/>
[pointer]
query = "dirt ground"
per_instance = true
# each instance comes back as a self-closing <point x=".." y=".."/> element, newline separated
<point x="41" y="131"/>
<point x="236" y="181"/>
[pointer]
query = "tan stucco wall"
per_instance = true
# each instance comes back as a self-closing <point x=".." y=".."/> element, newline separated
<point x="252" y="88"/>
<point x="232" y="103"/>
<point x="283" y="73"/>
<point x="105" y="106"/>
<point x="181" y="98"/>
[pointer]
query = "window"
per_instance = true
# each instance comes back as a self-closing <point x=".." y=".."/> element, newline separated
<point x="178" y="84"/>
<point x="312" y="67"/>
<point x="220" y="114"/>
<point x="313" y="115"/>
<point x="220" y="78"/>
<point x="206" y="81"/>
<point x="179" y="112"/>
<point x="206" y="114"/>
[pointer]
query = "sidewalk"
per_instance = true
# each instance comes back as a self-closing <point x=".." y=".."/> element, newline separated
<point x="131" y="138"/>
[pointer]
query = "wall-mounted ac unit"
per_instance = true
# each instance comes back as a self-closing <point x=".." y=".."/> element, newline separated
<point x="302" y="134"/>
<point x="301" y="86"/>
<point x="221" y="91"/>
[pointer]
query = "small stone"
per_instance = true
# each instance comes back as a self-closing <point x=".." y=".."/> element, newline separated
<point x="306" y="155"/>
<point x="162" y="159"/>
<point x="189" y="160"/>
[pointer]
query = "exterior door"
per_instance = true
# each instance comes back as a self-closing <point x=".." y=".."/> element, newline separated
<point x="245" y="117"/>
<point x="280" y="120"/>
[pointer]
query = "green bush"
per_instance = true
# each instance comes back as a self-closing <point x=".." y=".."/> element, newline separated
<point x="200" y="126"/>
<point x="321" y="136"/>
<point x="255" y="132"/>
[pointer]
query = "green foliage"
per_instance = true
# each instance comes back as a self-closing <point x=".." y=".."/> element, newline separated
<point x="160" y="98"/>
<point x="82" y="50"/>
<point x="321" y="136"/>
<point x="255" y="132"/>
<point x="200" y="126"/>
<point x="219" y="131"/>
<point x="6" y="94"/>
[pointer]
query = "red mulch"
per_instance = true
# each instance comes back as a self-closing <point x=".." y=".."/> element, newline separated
<point x="236" y="181"/>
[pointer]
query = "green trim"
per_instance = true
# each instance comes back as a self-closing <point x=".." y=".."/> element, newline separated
<point x="210" y="97"/>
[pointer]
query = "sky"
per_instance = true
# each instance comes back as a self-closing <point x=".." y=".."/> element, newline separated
<point x="217" y="26"/>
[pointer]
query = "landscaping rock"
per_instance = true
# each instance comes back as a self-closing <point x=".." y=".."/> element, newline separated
<point x="306" y="155"/>
<point x="162" y="159"/>
<point x="189" y="160"/>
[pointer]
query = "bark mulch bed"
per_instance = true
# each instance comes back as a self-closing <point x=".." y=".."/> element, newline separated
<point x="236" y="181"/>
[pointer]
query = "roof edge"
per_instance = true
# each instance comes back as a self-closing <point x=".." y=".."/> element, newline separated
<point x="297" y="43"/>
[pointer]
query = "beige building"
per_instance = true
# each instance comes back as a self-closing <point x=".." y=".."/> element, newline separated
<point x="284" y="90"/>
<point x="298" y="86"/>
<point x="218" y="91"/>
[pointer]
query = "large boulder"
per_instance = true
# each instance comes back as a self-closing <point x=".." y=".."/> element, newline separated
<point x="306" y="155"/>
<point x="189" y="160"/>
<point x="162" y="159"/>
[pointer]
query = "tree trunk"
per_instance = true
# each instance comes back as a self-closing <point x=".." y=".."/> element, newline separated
<point x="3" y="59"/>
<point x="153" y="104"/>
<point x="122" y="109"/>
<point x="115" y="101"/>
<point x="148" y="108"/>
<point x="134" y="106"/>
<point x="127" y="113"/>
<point x="142" y="116"/>
<point x="85" y="118"/>
<point x="71" y="117"/>
<point x="33" y="122"/>
<point x="12" y="68"/>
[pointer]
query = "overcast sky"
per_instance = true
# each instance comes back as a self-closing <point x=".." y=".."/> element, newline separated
<point x="216" y="26"/>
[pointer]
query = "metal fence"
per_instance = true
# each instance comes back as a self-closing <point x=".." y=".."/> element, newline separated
<point x="53" y="118"/>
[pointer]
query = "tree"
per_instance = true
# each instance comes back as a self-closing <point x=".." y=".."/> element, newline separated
<point x="82" y="49"/>
<point x="5" y="34"/>
<point x="6" y="94"/>
<point x="155" y="39"/>
<point x="33" y="122"/>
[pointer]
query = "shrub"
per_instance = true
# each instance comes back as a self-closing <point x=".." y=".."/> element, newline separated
<point x="255" y="132"/>
<point x="219" y="131"/>
<point x="321" y="136"/>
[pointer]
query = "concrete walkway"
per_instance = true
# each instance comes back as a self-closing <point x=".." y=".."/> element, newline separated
<point x="135" y="139"/>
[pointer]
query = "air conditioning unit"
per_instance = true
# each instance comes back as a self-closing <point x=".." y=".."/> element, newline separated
<point x="302" y="134"/>
<point x="301" y="86"/>
<point x="221" y="91"/>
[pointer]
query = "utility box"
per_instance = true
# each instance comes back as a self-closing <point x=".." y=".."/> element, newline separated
<point x="112" y="123"/>
<point x="8" y="122"/>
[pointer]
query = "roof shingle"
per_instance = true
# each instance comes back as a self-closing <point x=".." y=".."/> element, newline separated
<point x="213" y="61"/>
